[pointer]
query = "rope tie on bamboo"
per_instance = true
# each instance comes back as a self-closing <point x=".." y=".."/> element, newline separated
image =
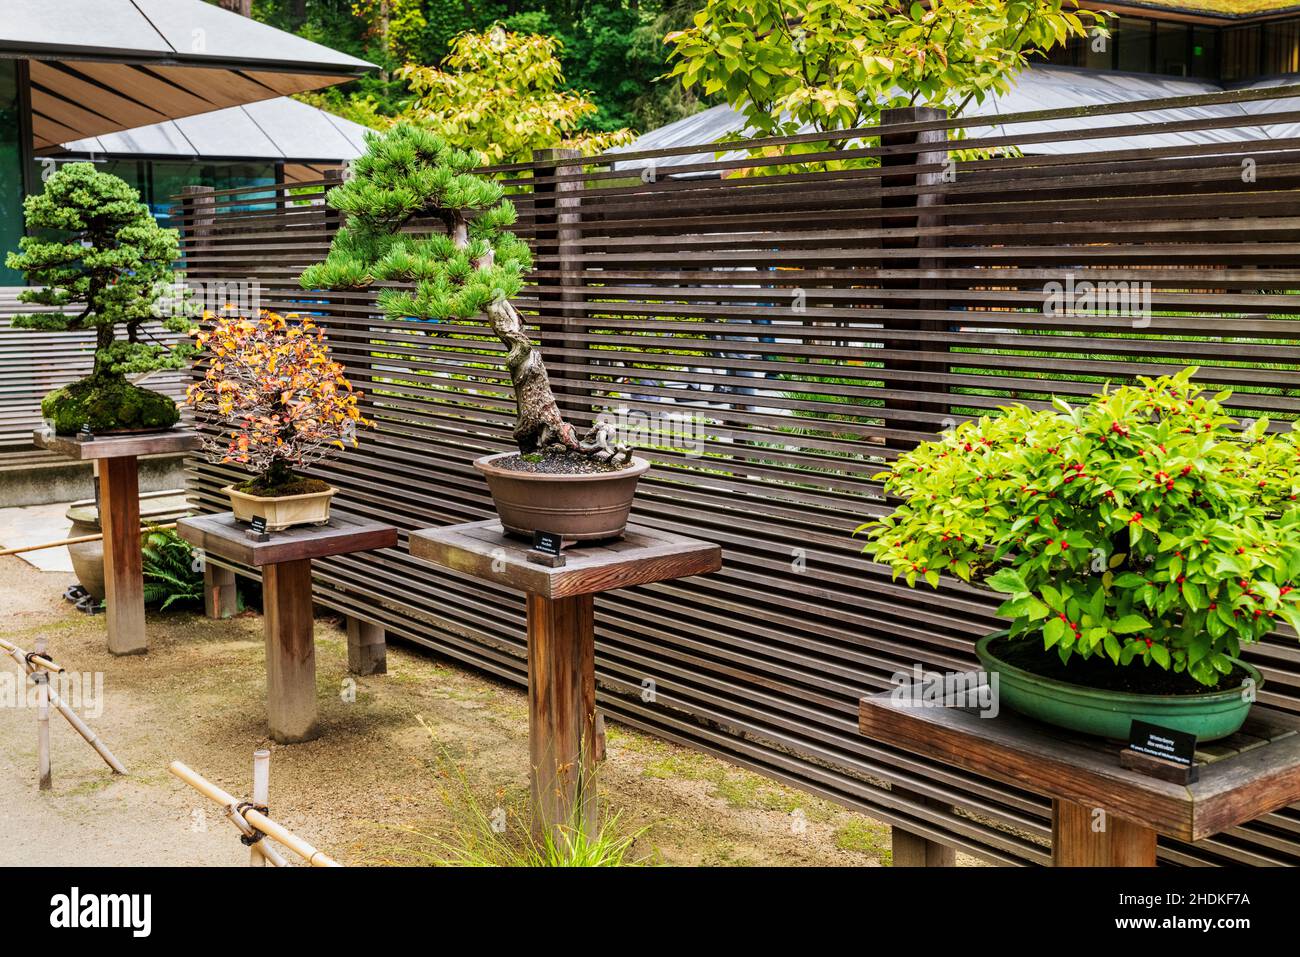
<point x="249" y="840"/>
<point x="30" y="663"/>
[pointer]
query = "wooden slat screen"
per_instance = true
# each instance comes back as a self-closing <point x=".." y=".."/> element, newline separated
<point x="814" y="321"/>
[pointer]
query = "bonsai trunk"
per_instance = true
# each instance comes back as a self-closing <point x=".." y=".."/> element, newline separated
<point x="277" y="475"/>
<point x="540" y="425"/>
<point x="103" y="341"/>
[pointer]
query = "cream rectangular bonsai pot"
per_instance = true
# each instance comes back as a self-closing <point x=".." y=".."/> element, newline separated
<point x="282" y="511"/>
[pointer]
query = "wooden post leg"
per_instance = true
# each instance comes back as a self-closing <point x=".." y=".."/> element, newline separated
<point x="119" y="517"/>
<point x="367" y="650"/>
<point x="290" y="651"/>
<point x="1085" y="837"/>
<point x="914" y="850"/>
<point x="220" y="592"/>
<point x="562" y="712"/>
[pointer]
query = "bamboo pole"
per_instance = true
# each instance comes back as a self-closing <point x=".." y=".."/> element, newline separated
<point x="45" y="779"/>
<point x="39" y="660"/>
<point x="261" y="796"/>
<point x="253" y="817"/>
<point x="271" y="855"/>
<point x="260" y="849"/>
<point x="79" y="540"/>
<point x="62" y="708"/>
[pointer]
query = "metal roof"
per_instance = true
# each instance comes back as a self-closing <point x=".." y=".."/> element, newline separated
<point x="279" y="130"/>
<point x="103" y="65"/>
<point x="1038" y="88"/>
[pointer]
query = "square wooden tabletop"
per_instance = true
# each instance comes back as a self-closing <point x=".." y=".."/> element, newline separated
<point x="643" y="555"/>
<point x="222" y="536"/>
<point x="177" y="439"/>
<point x="1239" y="778"/>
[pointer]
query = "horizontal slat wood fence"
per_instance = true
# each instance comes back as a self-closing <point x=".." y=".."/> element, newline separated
<point x="814" y="321"/>
<point x="34" y="363"/>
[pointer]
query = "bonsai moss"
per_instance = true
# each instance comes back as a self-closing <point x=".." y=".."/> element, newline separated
<point x="293" y="485"/>
<point x="108" y="403"/>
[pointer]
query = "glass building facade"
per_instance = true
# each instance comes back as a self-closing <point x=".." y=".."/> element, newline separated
<point x="1168" y="48"/>
<point x="160" y="181"/>
<point x="11" y="168"/>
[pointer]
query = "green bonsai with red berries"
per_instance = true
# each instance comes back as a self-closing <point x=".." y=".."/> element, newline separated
<point x="1147" y="525"/>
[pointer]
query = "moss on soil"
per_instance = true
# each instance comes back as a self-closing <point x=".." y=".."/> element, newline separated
<point x="295" y="486"/>
<point x="865" y="837"/>
<point x="108" y="403"/>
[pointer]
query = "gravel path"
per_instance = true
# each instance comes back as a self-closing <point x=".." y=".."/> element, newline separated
<point x="374" y="778"/>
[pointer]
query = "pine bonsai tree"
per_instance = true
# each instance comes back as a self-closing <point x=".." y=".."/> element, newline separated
<point x="100" y="258"/>
<point x="473" y="269"/>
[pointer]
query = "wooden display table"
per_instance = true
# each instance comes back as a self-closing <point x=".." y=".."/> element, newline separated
<point x="285" y="559"/>
<point x="1238" y="778"/>
<point x="562" y="737"/>
<point x="119" y="517"/>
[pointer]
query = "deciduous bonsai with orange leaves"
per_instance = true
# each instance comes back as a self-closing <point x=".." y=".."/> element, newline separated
<point x="272" y="400"/>
<point x="1147" y="527"/>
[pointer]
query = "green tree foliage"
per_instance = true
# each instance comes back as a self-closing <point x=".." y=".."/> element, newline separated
<point x="501" y="94"/>
<point x="102" y="261"/>
<point x="471" y="267"/>
<point x="611" y="49"/>
<point x="787" y="64"/>
<point x="412" y="173"/>
<point x="1144" y="526"/>
<point x="615" y="52"/>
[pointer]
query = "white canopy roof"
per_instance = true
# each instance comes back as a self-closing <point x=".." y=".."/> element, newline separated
<point x="98" y="66"/>
<point x="1038" y="88"/>
<point x="279" y="130"/>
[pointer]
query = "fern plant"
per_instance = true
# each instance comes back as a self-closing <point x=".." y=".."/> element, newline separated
<point x="169" y="574"/>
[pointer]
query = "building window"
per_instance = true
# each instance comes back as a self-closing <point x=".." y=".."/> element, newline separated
<point x="167" y="179"/>
<point x="1281" y="48"/>
<point x="1172" y="49"/>
<point x="1241" y="52"/>
<point x="1134" y="42"/>
<point x="1204" y="62"/>
<point x="11" y="170"/>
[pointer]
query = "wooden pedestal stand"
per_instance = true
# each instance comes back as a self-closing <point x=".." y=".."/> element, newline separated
<point x="285" y="559"/>
<point x="562" y="735"/>
<point x="1104" y="815"/>
<point x="119" y="517"/>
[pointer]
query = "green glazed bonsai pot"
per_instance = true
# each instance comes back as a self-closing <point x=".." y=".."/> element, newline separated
<point x="1214" y="714"/>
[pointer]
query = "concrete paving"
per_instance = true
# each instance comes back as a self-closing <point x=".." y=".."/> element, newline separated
<point x="35" y="525"/>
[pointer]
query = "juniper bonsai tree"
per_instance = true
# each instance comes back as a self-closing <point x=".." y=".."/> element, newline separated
<point x="100" y="259"/>
<point x="410" y="175"/>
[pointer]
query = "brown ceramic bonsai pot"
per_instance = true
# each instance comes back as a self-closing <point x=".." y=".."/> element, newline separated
<point x="281" y="511"/>
<point x="590" y="507"/>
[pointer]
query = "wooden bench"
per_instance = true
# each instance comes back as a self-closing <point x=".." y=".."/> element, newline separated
<point x="564" y="738"/>
<point x="285" y="558"/>
<point x="1102" y="814"/>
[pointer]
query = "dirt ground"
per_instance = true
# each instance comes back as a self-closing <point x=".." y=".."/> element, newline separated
<point x="376" y="782"/>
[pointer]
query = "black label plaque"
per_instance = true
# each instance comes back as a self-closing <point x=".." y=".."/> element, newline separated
<point x="548" y="542"/>
<point x="259" y="524"/>
<point x="1164" y="743"/>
